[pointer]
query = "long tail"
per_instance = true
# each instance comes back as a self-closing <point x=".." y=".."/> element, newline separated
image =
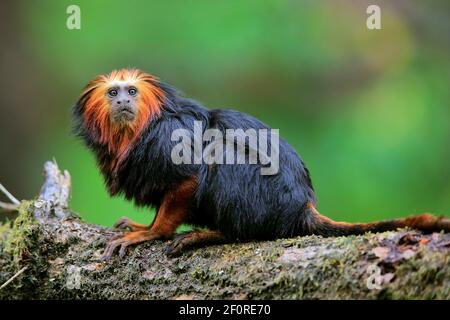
<point x="322" y="225"/>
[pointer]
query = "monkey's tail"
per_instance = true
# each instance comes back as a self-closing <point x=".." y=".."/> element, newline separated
<point x="322" y="225"/>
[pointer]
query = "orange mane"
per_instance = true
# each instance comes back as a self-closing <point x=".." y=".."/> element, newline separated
<point x="96" y="116"/>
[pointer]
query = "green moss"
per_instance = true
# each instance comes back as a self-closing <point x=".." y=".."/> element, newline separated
<point x="5" y="228"/>
<point x="20" y="237"/>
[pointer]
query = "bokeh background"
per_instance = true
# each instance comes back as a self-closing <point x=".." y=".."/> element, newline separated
<point x="368" y="110"/>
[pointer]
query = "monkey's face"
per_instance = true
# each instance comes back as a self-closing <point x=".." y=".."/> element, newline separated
<point x="123" y="102"/>
<point x="115" y="108"/>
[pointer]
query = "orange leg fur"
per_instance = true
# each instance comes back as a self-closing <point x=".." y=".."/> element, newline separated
<point x="171" y="214"/>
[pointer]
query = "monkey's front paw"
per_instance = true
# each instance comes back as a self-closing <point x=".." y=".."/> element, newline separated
<point x="115" y="242"/>
<point x="123" y="241"/>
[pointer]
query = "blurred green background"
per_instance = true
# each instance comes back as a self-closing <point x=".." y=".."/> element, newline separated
<point x="368" y="110"/>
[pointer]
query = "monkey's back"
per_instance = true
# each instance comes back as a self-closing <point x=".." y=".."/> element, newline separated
<point x="244" y="204"/>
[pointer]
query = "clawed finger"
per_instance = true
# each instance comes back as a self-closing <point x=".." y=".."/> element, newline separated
<point x="109" y="251"/>
<point x="122" y="223"/>
<point x="175" y="248"/>
<point x="123" y="249"/>
<point x="112" y="245"/>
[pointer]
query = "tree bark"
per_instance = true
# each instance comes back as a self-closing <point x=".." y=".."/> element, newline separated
<point x="48" y="252"/>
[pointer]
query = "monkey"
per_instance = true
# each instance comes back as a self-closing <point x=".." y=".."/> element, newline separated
<point x="127" y="117"/>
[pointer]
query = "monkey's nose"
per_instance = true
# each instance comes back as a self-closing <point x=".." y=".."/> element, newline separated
<point x="125" y="101"/>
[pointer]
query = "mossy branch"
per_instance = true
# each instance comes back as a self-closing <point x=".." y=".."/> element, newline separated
<point x="47" y="252"/>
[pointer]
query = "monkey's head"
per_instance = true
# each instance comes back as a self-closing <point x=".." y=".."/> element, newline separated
<point x="114" y="109"/>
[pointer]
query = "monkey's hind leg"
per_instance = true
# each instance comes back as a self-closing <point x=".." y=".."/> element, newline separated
<point x="192" y="239"/>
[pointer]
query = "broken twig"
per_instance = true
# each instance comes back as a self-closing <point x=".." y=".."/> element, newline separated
<point x="18" y="273"/>
<point x="9" y="195"/>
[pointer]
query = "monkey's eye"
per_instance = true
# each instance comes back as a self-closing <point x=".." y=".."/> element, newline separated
<point x="112" y="92"/>
<point x="132" y="91"/>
